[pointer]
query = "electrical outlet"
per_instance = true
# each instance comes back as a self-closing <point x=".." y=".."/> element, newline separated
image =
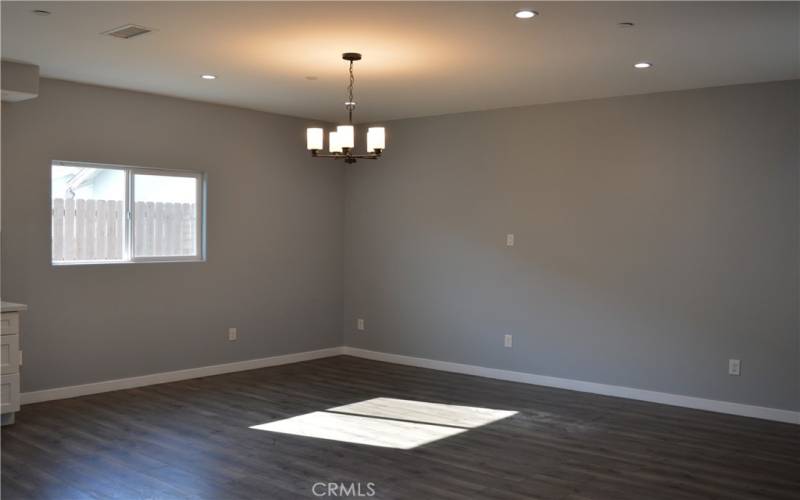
<point x="509" y="240"/>
<point x="734" y="367"/>
<point x="360" y="324"/>
<point x="233" y="334"/>
<point x="507" y="341"/>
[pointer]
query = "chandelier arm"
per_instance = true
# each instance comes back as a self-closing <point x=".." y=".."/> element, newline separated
<point x="359" y="157"/>
<point x="367" y="155"/>
<point x="350" y="158"/>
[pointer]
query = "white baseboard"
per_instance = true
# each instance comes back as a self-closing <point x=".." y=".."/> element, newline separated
<point x="174" y="376"/>
<point x="481" y="371"/>
<point x="776" y="414"/>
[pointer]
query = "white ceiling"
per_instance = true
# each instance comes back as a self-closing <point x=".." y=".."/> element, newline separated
<point x="420" y="59"/>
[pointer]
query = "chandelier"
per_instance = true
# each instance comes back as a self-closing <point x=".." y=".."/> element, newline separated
<point x="341" y="141"/>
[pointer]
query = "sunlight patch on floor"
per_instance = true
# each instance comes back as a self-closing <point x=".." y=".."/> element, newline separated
<point x="387" y="422"/>
<point x="421" y="411"/>
<point x="361" y="430"/>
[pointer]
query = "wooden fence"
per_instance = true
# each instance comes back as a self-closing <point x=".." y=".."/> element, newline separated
<point x="164" y="229"/>
<point x="85" y="230"/>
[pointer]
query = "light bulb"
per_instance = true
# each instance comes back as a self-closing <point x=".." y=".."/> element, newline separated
<point x="376" y="139"/>
<point x="334" y="146"/>
<point x="346" y="135"/>
<point x="314" y="139"/>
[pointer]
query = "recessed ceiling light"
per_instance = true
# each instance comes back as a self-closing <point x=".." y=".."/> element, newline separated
<point x="526" y="14"/>
<point x="643" y="65"/>
<point x="40" y="12"/>
<point x="208" y="77"/>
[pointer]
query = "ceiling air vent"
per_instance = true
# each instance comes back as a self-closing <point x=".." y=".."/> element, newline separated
<point x="128" y="31"/>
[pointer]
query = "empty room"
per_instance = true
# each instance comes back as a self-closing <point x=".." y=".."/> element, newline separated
<point x="400" y="250"/>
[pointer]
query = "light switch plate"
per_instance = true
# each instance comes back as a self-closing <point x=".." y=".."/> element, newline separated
<point x="509" y="240"/>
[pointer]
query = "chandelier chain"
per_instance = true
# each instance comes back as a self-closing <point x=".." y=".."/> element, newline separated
<point x="350" y="103"/>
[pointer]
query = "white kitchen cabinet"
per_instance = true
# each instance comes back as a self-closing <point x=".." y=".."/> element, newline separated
<point x="10" y="357"/>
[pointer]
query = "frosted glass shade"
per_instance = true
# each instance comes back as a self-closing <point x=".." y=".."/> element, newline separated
<point x="346" y="136"/>
<point x="376" y="139"/>
<point x="314" y="138"/>
<point x="334" y="146"/>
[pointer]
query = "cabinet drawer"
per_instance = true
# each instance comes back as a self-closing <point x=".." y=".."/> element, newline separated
<point x="9" y="324"/>
<point x="9" y="354"/>
<point x="9" y="393"/>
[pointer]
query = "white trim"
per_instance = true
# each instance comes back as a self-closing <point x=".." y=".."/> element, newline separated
<point x="129" y="245"/>
<point x="792" y="417"/>
<point x="788" y="416"/>
<point x="199" y="213"/>
<point x="174" y="376"/>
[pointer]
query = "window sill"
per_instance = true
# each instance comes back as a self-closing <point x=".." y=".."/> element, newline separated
<point x="127" y="262"/>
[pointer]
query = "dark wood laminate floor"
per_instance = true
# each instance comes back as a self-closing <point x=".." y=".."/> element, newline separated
<point x="192" y="439"/>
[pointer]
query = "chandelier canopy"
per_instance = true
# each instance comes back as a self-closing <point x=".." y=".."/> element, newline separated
<point x="341" y="142"/>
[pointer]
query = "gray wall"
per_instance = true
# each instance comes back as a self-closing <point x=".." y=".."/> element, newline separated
<point x="656" y="237"/>
<point x="274" y="239"/>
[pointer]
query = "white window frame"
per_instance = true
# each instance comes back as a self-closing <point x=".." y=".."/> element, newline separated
<point x="129" y="243"/>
